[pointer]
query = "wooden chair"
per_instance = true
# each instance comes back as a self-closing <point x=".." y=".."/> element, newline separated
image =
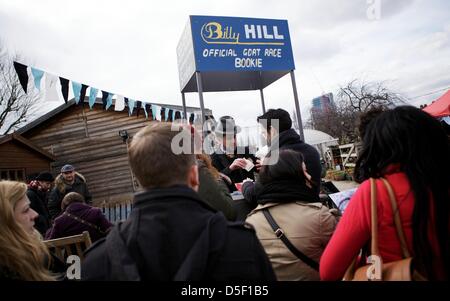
<point x="66" y="246"/>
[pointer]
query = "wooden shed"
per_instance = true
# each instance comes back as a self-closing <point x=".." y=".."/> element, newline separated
<point x="90" y="141"/>
<point x="21" y="160"/>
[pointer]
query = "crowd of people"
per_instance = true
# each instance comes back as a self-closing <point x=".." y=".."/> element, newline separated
<point x="183" y="225"/>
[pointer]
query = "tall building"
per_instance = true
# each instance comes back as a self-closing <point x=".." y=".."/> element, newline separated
<point x="323" y="103"/>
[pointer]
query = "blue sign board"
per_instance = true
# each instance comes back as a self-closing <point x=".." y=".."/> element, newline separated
<point x="241" y="44"/>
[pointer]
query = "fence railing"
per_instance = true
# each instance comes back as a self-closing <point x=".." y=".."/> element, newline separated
<point x="117" y="211"/>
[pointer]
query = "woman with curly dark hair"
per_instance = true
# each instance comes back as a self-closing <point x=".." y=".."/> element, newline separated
<point x="409" y="149"/>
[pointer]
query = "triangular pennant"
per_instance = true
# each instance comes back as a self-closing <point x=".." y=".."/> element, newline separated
<point x="83" y="93"/>
<point x="37" y="75"/>
<point x="76" y="91"/>
<point x="177" y="115"/>
<point x="64" y="88"/>
<point x="52" y="88"/>
<point x="131" y="104"/>
<point x="147" y="109"/>
<point x="156" y="112"/>
<point x="105" y="96"/>
<point x="109" y="101"/>
<point x="120" y="103"/>
<point x="22" y="73"/>
<point x="92" y="96"/>
<point x="138" y="107"/>
<point x="166" y="114"/>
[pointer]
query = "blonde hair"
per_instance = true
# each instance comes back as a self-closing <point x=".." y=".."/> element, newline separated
<point x="20" y="252"/>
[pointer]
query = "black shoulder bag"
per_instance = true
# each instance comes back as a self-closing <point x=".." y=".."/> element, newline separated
<point x="280" y="234"/>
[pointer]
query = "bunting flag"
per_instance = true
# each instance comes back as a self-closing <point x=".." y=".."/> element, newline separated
<point x="37" y="75"/>
<point x="163" y="114"/>
<point x="64" y="88"/>
<point x="155" y="110"/>
<point x="109" y="101"/>
<point x="92" y="97"/>
<point x="131" y="104"/>
<point x="52" y="88"/>
<point x="166" y="114"/>
<point x="147" y="109"/>
<point x="83" y="93"/>
<point x="22" y="73"/>
<point x="138" y="107"/>
<point x="76" y="91"/>
<point x="120" y="103"/>
<point x="104" y="98"/>
<point x="79" y="91"/>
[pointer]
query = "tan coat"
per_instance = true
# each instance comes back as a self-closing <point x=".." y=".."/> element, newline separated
<point x="308" y="226"/>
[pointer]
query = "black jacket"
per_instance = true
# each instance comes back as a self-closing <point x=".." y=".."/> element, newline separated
<point x="61" y="189"/>
<point x="38" y="203"/>
<point x="222" y="163"/>
<point x="215" y="192"/>
<point x="291" y="140"/>
<point x="172" y="235"/>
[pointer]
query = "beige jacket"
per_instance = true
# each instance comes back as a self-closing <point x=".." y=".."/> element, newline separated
<point x="308" y="226"/>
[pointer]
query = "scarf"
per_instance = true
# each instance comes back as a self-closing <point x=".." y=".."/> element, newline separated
<point x="285" y="191"/>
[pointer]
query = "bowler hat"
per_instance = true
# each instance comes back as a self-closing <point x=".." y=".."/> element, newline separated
<point x="45" y="176"/>
<point x="227" y="125"/>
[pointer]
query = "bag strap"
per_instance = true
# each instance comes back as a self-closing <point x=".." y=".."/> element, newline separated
<point x="350" y="272"/>
<point x="374" y="218"/>
<point x="280" y="234"/>
<point x="398" y="223"/>
<point x="85" y="222"/>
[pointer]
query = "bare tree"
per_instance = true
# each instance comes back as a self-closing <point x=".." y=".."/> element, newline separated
<point x="352" y="100"/>
<point x="16" y="106"/>
<point x="359" y="96"/>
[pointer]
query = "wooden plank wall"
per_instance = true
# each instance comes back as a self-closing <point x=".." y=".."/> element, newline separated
<point x="89" y="140"/>
<point x="14" y="155"/>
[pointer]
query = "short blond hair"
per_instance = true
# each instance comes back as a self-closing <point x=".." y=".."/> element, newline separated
<point x="152" y="160"/>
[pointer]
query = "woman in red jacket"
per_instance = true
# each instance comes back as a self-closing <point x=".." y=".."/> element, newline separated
<point x="410" y="149"/>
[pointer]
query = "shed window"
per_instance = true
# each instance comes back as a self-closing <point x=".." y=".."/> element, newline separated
<point x="12" y="174"/>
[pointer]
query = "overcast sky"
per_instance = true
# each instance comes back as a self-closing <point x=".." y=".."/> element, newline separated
<point x="129" y="47"/>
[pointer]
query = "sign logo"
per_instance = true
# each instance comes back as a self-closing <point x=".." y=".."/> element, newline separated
<point x="216" y="33"/>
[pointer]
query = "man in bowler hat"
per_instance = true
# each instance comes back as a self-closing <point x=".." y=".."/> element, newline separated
<point x="228" y="159"/>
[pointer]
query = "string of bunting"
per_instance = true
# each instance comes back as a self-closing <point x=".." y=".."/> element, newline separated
<point x="53" y="82"/>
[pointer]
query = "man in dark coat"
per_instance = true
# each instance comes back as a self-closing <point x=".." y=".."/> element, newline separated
<point x="283" y="136"/>
<point x="67" y="181"/>
<point x="171" y="234"/>
<point x="228" y="158"/>
<point x="37" y="194"/>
